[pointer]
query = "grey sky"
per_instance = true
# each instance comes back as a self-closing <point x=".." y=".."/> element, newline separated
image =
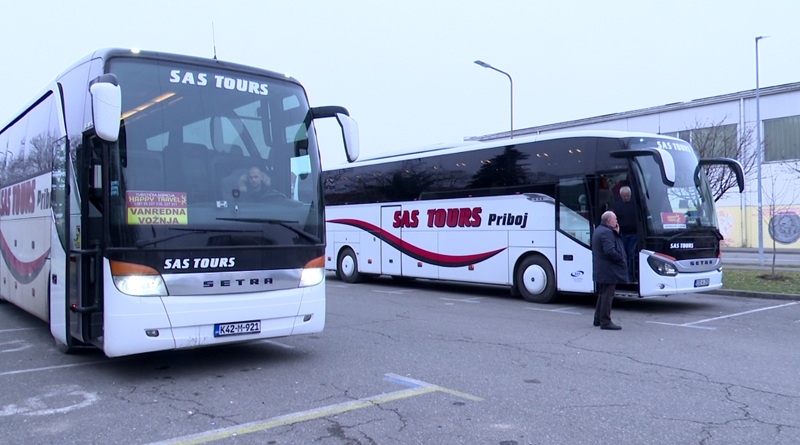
<point x="405" y="69"/>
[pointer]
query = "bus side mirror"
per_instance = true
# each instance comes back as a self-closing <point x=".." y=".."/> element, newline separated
<point x="348" y="125"/>
<point x="106" y="107"/>
<point x="350" y="135"/>
<point x="733" y="164"/>
<point x="664" y="160"/>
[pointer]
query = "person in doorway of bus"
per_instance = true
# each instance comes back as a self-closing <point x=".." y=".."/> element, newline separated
<point x="254" y="184"/>
<point x="625" y="210"/>
<point x="610" y="265"/>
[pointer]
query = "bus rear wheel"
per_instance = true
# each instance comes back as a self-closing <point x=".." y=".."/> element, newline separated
<point x="347" y="269"/>
<point x="535" y="280"/>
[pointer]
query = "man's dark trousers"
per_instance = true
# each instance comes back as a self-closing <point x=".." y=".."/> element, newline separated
<point x="605" y="296"/>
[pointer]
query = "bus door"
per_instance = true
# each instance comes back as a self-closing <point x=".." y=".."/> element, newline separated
<point x="85" y="292"/>
<point x="390" y="256"/>
<point x="573" y="236"/>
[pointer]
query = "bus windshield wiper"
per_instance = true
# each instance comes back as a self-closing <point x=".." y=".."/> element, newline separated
<point x="184" y="232"/>
<point x="280" y="222"/>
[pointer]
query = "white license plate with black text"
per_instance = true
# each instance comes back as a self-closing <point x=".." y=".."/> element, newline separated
<point x="702" y="282"/>
<point x="242" y="327"/>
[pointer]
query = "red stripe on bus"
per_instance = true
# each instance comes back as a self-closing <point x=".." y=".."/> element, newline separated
<point x="417" y="252"/>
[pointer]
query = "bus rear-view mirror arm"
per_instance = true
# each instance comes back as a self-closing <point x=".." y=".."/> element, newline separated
<point x="348" y="125"/>
<point x="733" y="164"/>
<point x="106" y="106"/>
<point x="664" y="160"/>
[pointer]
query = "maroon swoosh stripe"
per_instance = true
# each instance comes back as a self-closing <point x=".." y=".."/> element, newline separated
<point x="418" y="253"/>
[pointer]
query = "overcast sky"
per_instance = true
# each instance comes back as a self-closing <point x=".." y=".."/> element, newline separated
<point x="405" y="69"/>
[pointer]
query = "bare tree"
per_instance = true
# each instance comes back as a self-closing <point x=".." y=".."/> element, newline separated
<point x="717" y="140"/>
<point x="784" y="223"/>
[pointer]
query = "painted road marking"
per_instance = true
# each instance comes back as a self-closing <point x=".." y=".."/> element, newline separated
<point x="50" y="368"/>
<point x="278" y="344"/>
<point x="14" y="346"/>
<point x="393" y="292"/>
<point x="38" y="406"/>
<point x="3" y="331"/>
<point x="563" y="310"/>
<point x="415" y="388"/>
<point x="694" y="323"/>
<point x="462" y="300"/>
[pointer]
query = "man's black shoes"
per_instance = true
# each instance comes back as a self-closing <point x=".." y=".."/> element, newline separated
<point x="611" y="327"/>
<point x="596" y="323"/>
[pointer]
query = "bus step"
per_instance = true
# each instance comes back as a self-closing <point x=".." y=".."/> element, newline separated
<point x="626" y="294"/>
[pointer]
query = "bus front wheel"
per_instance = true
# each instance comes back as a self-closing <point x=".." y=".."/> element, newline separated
<point x="535" y="280"/>
<point x="347" y="268"/>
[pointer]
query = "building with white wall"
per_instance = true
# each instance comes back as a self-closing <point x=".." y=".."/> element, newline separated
<point x="732" y="120"/>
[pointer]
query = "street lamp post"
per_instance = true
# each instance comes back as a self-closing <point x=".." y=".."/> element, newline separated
<point x="486" y="65"/>
<point x="759" y="155"/>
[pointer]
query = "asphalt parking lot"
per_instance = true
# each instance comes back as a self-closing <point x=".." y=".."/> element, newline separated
<point x="426" y="362"/>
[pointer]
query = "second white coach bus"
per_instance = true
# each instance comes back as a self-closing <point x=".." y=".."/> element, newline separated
<point x="123" y="217"/>
<point x="521" y="213"/>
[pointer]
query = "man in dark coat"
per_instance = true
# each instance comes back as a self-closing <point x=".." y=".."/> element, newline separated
<point x="609" y="266"/>
<point x="625" y="209"/>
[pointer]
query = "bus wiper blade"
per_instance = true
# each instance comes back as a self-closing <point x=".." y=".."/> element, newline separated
<point x="280" y="222"/>
<point x="185" y="232"/>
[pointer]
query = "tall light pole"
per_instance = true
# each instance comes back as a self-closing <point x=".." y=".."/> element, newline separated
<point x="486" y="65"/>
<point x="759" y="155"/>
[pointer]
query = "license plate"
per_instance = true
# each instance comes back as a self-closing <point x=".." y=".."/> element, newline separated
<point x="242" y="327"/>
<point x="701" y="282"/>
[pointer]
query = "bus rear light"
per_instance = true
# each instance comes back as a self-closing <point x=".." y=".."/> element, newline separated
<point x="137" y="280"/>
<point x="419" y="264"/>
<point x="313" y="272"/>
<point x="471" y="267"/>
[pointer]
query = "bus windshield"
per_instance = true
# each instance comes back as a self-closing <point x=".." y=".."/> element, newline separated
<point x="685" y="205"/>
<point x="212" y="157"/>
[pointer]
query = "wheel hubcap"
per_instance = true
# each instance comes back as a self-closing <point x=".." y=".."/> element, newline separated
<point x="348" y="265"/>
<point x="534" y="279"/>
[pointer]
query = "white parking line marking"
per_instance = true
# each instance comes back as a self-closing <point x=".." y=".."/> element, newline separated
<point x="394" y="292"/>
<point x="278" y="344"/>
<point x="563" y="310"/>
<point x="692" y="324"/>
<point x="3" y="331"/>
<point x="49" y="368"/>
<point x="462" y="300"/>
<point x="415" y="388"/>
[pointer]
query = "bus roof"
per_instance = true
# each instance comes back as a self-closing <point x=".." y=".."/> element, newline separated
<point x="443" y="149"/>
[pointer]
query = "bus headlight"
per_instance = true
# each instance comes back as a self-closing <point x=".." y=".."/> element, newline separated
<point x="313" y="272"/>
<point x="137" y="280"/>
<point x="661" y="266"/>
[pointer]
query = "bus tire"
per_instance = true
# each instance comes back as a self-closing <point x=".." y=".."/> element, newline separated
<point x="347" y="266"/>
<point x="64" y="349"/>
<point x="535" y="280"/>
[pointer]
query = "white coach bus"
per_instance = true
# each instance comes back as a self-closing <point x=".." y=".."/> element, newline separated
<point x="521" y="213"/>
<point x="122" y="220"/>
